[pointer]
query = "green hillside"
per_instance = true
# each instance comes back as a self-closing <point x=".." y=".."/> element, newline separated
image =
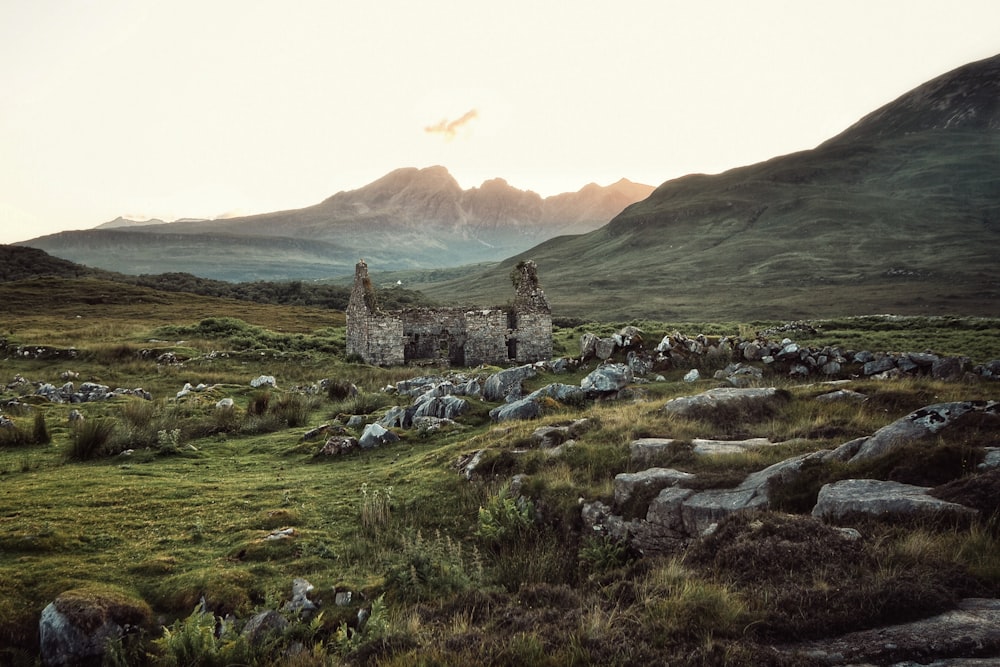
<point x="900" y="213"/>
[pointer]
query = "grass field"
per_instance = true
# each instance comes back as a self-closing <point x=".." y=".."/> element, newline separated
<point x="177" y="501"/>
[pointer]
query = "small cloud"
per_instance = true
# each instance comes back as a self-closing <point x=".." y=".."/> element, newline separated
<point x="449" y="128"/>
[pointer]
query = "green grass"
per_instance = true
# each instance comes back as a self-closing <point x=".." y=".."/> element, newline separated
<point x="468" y="572"/>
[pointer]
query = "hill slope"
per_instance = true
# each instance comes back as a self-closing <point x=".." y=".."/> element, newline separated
<point x="410" y="218"/>
<point x="899" y="213"/>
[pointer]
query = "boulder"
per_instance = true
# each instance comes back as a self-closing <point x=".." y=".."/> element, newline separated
<point x="641" y="364"/>
<point x="606" y="379"/>
<point x="564" y="393"/>
<point x="263" y="625"/>
<point x="692" y="375"/>
<point x="75" y="628"/>
<point x="702" y="509"/>
<point x="873" y="497"/>
<point x="263" y="381"/>
<point x="646" y="450"/>
<point x="647" y="482"/>
<point x="375" y="435"/>
<point x="878" y="365"/>
<point x="442" y="407"/>
<point x="526" y="408"/>
<point x="501" y="384"/>
<point x="718" y="396"/>
<point x="605" y="348"/>
<point x="948" y="368"/>
<point x="588" y="345"/>
<point x="665" y="517"/>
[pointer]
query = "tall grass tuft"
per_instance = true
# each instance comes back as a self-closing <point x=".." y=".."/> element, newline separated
<point x="293" y="409"/>
<point x="40" y="434"/>
<point x="376" y="508"/>
<point x="259" y="403"/>
<point x="90" y="439"/>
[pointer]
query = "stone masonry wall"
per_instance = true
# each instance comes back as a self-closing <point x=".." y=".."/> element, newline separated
<point x="533" y="336"/>
<point x="486" y="339"/>
<point x="522" y="333"/>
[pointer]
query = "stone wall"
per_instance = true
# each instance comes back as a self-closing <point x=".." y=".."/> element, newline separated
<point x="486" y="341"/>
<point x="532" y="336"/>
<point x="462" y="337"/>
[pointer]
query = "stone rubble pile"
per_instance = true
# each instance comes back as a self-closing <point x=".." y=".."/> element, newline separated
<point x="677" y="350"/>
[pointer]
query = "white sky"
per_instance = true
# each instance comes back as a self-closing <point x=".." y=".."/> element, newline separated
<point x="202" y="108"/>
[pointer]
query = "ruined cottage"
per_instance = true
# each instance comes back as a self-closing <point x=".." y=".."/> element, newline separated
<point x="520" y="333"/>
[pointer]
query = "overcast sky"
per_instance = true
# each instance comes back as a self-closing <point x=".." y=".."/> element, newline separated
<point x="207" y="108"/>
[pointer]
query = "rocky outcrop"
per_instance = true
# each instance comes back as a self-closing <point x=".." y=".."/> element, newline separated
<point x="967" y="636"/>
<point x="851" y="498"/>
<point x="720" y="396"/>
<point x="920" y="424"/>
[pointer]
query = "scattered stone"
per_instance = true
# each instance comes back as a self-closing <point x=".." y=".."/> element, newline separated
<point x="705" y="447"/>
<point x="225" y="404"/>
<point x="692" y="375"/>
<point x="467" y="463"/>
<point x="282" y="534"/>
<point x="646" y="450"/>
<point x="300" y="604"/>
<point x="847" y="395"/>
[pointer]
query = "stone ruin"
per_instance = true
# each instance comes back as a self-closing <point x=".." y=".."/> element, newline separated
<point x="520" y="333"/>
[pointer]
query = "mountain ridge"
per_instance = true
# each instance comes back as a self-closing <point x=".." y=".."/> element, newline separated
<point x="410" y="218"/>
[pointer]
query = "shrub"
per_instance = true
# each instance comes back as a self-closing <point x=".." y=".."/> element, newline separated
<point x="168" y="442"/>
<point x="429" y="569"/>
<point x="601" y="553"/>
<point x="194" y="641"/>
<point x="504" y="518"/>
